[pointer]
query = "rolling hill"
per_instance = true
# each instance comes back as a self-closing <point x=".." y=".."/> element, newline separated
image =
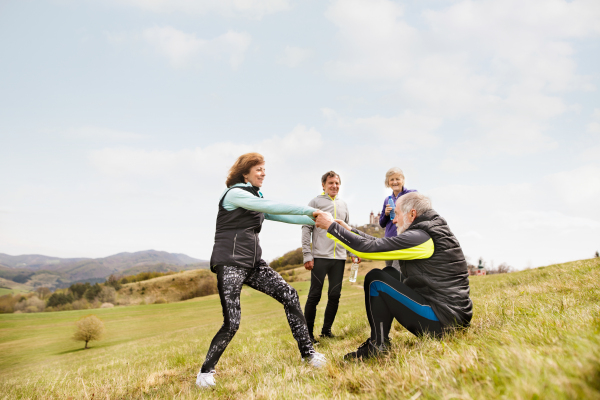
<point x="38" y="270"/>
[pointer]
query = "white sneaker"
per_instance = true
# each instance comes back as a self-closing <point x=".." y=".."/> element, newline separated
<point x="316" y="360"/>
<point x="205" y="379"/>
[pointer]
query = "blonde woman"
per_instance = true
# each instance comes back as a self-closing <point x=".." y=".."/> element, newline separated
<point x="394" y="179"/>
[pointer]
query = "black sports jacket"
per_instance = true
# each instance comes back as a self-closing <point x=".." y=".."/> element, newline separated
<point x="433" y="263"/>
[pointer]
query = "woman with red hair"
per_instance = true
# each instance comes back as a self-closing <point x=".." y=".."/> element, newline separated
<point x="236" y="259"/>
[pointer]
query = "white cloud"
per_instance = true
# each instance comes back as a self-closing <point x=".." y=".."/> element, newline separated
<point x="200" y="163"/>
<point x="246" y="8"/>
<point x="582" y="187"/>
<point x="294" y="56"/>
<point x="457" y="164"/>
<point x="99" y="133"/>
<point x="374" y="41"/>
<point x="407" y="129"/>
<point x="593" y="127"/>
<point x="496" y="67"/>
<point x="553" y="220"/>
<point x="185" y="49"/>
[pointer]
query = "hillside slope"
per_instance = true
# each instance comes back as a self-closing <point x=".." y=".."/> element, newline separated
<point x="53" y="272"/>
<point x="535" y="335"/>
<point x="169" y="288"/>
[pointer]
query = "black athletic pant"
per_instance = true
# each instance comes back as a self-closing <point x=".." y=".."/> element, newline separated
<point x="334" y="269"/>
<point x="262" y="278"/>
<point x="386" y="298"/>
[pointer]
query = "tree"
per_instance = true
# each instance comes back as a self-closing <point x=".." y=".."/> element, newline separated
<point x="89" y="328"/>
<point x="107" y="295"/>
<point x="79" y="289"/>
<point x="597" y="254"/>
<point x="113" y="281"/>
<point x="58" y="299"/>
<point x="92" y="292"/>
<point x="43" y="292"/>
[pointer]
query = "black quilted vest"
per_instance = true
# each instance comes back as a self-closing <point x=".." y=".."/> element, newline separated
<point x="443" y="279"/>
<point x="236" y="236"/>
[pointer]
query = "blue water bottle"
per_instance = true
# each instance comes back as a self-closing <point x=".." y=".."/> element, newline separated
<point x="391" y="203"/>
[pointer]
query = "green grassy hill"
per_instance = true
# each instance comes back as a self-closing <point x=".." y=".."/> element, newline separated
<point x="535" y="335"/>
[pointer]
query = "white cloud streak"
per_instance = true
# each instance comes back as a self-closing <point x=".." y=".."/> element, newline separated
<point x="294" y="56"/>
<point x="254" y="9"/>
<point x="185" y="49"/>
<point x="101" y="133"/>
<point x="409" y="129"/>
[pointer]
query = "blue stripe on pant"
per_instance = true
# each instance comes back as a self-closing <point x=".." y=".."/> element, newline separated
<point x="387" y="298"/>
<point x="422" y="310"/>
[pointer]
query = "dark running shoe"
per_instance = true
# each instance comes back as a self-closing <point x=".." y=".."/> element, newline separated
<point x="367" y="350"/>
<point x="327" y="335"/>
<point x="313" y="340"/>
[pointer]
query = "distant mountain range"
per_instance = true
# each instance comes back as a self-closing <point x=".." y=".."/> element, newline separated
<point x="54" y="272"/>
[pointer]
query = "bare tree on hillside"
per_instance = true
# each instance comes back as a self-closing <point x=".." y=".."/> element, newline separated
<point x="43" y="292"/>
<point x="89" y="328"/>
<point x="503" y="268"/>
<point x="107" y="295"/>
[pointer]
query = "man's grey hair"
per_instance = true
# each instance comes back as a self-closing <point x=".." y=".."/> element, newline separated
<point x="416" y="201"/>
<point x="391" y="172"/>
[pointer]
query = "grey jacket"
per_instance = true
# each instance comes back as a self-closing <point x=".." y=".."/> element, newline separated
<point x="322" y="246"/>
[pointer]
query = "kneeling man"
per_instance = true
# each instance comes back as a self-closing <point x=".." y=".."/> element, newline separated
<point x="434" y="295"/>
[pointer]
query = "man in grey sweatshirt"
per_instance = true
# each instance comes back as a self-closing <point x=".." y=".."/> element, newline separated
<point x="324" y="257"/>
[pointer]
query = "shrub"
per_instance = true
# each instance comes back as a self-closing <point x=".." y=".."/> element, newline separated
<point x="7" y="303"/>
<point x="107" y="305"/>
<point x="65" y="307"/>
<point x="81" y="304"/>
<point x="160" y="300"/>
<point x="33" y="304"/>
<point x="294" y="257"/>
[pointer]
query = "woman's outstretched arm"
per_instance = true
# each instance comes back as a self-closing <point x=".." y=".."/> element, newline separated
<point x="273" y="210"/>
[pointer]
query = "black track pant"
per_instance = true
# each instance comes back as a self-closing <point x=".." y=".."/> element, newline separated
<point x="387" y="298"/>
<point x="334" y="269"/>
<point x="262" y="278"/>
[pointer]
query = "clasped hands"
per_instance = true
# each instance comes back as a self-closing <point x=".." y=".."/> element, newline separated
<point x="323" y="220"/>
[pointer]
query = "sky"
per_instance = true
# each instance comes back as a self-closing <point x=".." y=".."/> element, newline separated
<point x="120" y="119"/>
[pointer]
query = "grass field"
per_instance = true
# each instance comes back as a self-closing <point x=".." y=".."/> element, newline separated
<point x="535" y="335"/>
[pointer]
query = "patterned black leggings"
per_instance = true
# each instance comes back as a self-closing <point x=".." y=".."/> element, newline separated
<point x="262" y="278"/>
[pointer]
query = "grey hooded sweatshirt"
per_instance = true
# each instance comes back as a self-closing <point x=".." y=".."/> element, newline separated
<point x="322" y="246"/>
